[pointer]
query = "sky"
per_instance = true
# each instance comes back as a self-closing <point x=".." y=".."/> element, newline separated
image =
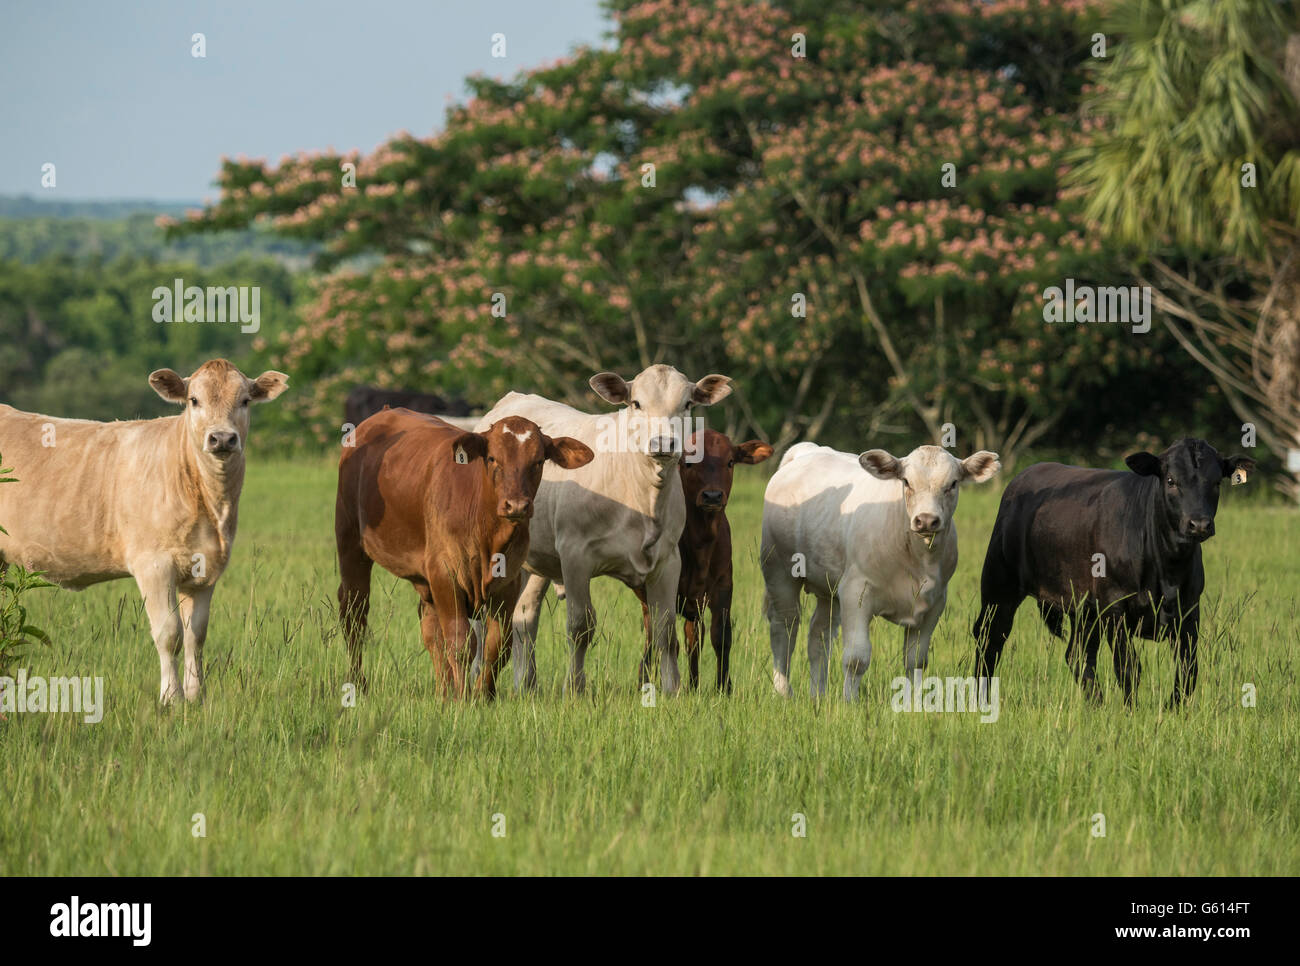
<point x="110" y="93"/>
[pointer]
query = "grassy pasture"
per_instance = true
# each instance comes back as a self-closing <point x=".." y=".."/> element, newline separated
<point x="289" y="781"/>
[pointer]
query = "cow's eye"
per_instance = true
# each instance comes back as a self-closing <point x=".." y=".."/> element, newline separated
<point x="1170" y="483"/>
<point x="193" y="401"/>
<point x="906" y="484"/>
<point x="244" y="403"/>
<point x="730" y="463"/>
<point x="491" y="459"/>
<point x="635" y="404"/>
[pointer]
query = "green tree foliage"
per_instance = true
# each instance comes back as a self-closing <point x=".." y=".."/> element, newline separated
<point x="78" y="337"/>
<point x="1195" y="166"/>
<point x="798" y="148"/>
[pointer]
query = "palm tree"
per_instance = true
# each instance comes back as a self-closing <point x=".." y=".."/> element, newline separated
<point x="1195" y="167"/>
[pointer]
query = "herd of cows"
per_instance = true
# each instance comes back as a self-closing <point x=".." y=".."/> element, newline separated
<point x="483" y="517"/>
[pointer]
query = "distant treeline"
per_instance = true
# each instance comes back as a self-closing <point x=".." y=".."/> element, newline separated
<point x="31" y="230"/>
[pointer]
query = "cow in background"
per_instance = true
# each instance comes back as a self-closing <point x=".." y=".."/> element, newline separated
<point x="364" y="401"/>
<point x="1118" y="552"/>
<point x="868" y="536"/>
<point x="152" y="499"/>
<point x="705" y="550"/>
<point x="449" y="511"/>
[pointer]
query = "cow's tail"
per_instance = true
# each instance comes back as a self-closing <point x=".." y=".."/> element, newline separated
<point x="798" y="451"/>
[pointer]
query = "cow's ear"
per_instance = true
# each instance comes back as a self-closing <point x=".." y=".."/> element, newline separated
<point x="979" y="467"/>
<point x="169" y="385"/>
<point x="1238" y="468"/>
<point x="468" y="447"/>
<point x="881" y="465"/>
<point x="711" y="389"/>
<point x="755" y="451"/>
<point x="268" y="385"/>
<point x="567" y="452"/>
<point x="610" y="387"/>
<point x="1144" y="464"/>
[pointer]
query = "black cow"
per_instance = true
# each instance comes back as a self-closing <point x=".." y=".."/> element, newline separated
<point x="1148" y="525"/>
<point x="365" y="401"/>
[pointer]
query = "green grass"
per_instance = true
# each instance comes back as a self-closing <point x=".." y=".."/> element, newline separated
<point x="289" y="781"/>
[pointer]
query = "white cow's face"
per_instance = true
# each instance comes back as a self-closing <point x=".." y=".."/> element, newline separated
<point x="658" y="405"/>
<point x="217" y="399"/>
<point x="930" y="476"/>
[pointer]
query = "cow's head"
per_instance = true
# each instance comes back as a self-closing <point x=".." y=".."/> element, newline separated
<point x="930" y="476"/>
<point x="1189" y="474"/>
<point x="512" y="451"/>
<point x="707" y="482"/>
<point x="658" y="405"/>
<point x="217" y="398"/>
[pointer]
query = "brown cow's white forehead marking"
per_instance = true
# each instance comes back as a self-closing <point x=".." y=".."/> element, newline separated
<point x="522" y="437"/>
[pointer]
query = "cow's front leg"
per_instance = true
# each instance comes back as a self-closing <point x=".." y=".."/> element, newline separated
<point x="494" y="643"/>
<point x="1081" y="652"/>
<point x="580" y="624"/>
<point x="1185" y="671"/>
<point x="528" y="612"/>
<point x="156" y="579"/>
<point x="855" y="618"/>
<point x="194" y="607"/>
<point x="916" y="643"/>
<point x="458" y="642"/>
<point x="820" y="633"/>
<point x="720" y="634"/>
<point x="661" y="595"/>
<point x="1128" y="669"/>
<point x="693" y="613"/>
<point x="648" y="639"/>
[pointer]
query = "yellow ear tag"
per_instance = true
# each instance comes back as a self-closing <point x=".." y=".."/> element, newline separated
<point x="1238" y="475"/>
<point x="460" y="455"/>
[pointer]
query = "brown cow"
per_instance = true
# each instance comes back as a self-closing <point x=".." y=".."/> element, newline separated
<point x="447" y="510"/>
<point x="705" y="549"/>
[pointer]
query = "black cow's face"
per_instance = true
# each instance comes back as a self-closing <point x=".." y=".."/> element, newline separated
<point x="1189" y="474"/>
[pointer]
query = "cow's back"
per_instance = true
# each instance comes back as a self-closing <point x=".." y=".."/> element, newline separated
<point x="823" y="505"/>
<point x="96" y="496"/>
<point x="403" y="489"/>
<point x="1052" y="521"/>
<point x="554" y="418"/>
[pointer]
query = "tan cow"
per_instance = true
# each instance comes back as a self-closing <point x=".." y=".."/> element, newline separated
<point x="153" y="499"/>
<point x="619" y="516"/>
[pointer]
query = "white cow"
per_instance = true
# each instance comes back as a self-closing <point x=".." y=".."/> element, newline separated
<point x="620" y="516"/>
<point x="153" y="499"/>
<point x="879" y="543"/>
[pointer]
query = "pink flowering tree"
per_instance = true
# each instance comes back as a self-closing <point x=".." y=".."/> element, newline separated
<point x="852" y="210"/>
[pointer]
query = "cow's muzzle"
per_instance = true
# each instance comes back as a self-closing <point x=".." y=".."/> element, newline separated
<point x="520" y="509"/>
<point x="711" y="500"/>
<point x="664" y="448"/>
<point x="927" y="526"/>
<point x="221" y="443"/>
<point x="1199" y="529"/>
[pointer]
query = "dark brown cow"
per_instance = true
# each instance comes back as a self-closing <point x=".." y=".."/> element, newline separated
<point x="705" y="549"/>
<point x="447" y="510"/>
